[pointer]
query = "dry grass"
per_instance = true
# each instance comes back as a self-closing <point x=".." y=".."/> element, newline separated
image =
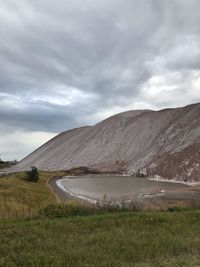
<point x="21" y="198"/>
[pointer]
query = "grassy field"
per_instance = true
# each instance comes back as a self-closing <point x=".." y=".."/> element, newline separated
<point x="58" y="236"/>
<point x="20" y="198"/>
<point x="127" y="239"/>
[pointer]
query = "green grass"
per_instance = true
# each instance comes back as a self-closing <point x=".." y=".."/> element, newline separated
<point x="125" y="239"/>
<point x="37" y="231"/>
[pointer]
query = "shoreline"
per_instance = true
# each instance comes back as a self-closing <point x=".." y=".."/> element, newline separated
<point x="60" y="194"/>
<point x="163" y="197"/>
<point x="155" y="178"/>
<point x="158" y="178"/>
<point x="88" y="199"/>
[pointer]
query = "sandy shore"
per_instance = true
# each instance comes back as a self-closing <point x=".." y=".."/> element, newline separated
<point x="60" y="193"/>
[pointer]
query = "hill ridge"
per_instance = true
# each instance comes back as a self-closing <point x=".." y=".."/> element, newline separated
<point x="127" y="142"/>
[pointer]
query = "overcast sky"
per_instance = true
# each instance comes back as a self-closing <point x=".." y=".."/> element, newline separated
<point x="68" y="63"/>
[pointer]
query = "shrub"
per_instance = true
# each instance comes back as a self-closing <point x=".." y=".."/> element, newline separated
<point x="32" y="175"/>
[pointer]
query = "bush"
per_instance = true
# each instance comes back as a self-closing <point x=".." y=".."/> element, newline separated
<point x="32" y="175"/>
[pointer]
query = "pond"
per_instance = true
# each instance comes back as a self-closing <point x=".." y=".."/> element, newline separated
<point x="115" y="188"/>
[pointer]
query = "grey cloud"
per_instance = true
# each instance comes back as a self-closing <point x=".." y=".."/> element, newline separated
<point x="41" y="116"/>
<point x="107" y="49"/>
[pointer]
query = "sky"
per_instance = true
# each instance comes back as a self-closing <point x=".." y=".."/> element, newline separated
<point x="69" y="63"/>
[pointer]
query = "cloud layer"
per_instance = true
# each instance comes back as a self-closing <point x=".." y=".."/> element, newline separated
<point x="64" y="64"/>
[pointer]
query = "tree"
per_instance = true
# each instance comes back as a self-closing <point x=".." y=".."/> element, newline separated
<point x="32" y="174"/>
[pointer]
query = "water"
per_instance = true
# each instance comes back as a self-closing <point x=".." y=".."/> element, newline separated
<point x="115" y="187"/>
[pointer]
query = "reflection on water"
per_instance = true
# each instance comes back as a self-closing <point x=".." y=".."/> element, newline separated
<point x="115" y="187"/>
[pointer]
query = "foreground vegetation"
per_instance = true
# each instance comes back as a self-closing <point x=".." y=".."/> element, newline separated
<point x="22" y="198"/>
<point x="36" y="230"/>
<point x="125" y="239"/>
